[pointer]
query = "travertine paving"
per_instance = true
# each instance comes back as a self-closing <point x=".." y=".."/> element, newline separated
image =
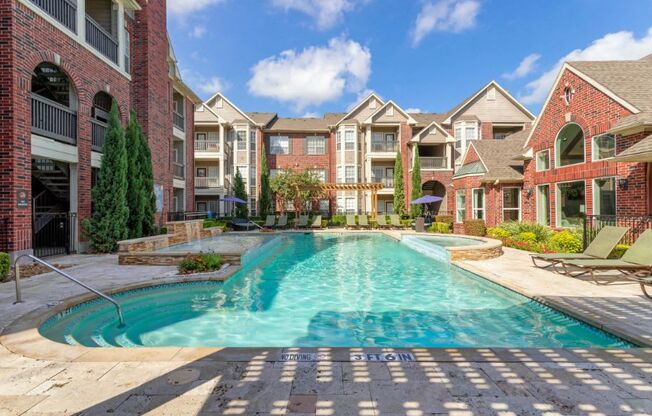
<point x="256" y="382"/>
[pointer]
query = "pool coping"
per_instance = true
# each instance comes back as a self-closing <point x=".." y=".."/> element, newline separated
<point x="22" y="336"/>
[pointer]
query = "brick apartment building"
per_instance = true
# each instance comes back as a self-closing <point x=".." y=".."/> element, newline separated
<point x="64" y="62"/>
<point x="359" y="146"/>
<point x="589" y="153"/>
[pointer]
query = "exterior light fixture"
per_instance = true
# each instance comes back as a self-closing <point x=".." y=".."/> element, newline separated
<point x="623" y="184"/>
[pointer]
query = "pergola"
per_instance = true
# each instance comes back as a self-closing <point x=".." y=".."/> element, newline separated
<point x="347" y="186"/>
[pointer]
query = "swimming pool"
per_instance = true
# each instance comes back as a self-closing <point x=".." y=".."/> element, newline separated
<point x="349" y="290"/>
<point x="452" y="241"/>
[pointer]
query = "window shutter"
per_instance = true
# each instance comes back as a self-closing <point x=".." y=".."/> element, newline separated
<point x="305" y="145"/>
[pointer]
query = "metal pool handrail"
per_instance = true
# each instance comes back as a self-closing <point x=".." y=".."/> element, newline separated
<point x="67" y="276"/>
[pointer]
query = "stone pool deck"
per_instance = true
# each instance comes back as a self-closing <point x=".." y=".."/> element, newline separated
<point x="231" y="381"/>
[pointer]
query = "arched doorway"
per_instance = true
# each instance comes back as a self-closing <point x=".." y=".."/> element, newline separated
<point x="436" y="188"/>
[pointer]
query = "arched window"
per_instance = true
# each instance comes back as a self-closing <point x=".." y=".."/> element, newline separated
<point x="569" y="146"/>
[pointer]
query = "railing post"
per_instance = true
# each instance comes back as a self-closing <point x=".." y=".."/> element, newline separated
<point x="19" y="294"/>
<point x="585" y="236"/>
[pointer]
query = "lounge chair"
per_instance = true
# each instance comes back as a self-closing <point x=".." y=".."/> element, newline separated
<point x="382" y="221"/>
<point x="270" y="221"/>
<point x="316" y="223"/>
<point x="600" y="248"/>
<point x="303" y="221"/>
<point x="350" y="221"/>
<point x="395" y="221"/>
<point x="282" y="221"/>
<point x="636" y="264"/>
<point x="363" y="221"/>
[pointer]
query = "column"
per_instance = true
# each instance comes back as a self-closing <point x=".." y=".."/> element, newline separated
<point x="81" y="20"/>
<point x="74" y="202"/>
<point x="121" y="35"/>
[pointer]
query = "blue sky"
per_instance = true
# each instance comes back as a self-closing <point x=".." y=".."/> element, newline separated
<point x="306" y="57"/>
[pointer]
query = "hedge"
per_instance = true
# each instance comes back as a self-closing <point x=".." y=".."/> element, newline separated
<point x="475" y="227"/>
<point x="4" y="265"/>
<point x="440" y="227"/>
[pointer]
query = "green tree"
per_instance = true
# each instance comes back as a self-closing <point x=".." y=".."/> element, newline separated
<point x="416" y="192"/>
<point x="240" y="191"/>
<point x="265" y="189"/>
<point x="399" y="188"/>
<point x="136" y="196"/>
<point x="108" y="224"/>
<point x="298" y="187"/>
<point x="147" y="172"/>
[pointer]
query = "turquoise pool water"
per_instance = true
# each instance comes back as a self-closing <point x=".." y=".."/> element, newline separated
<point x="354" y="290"/>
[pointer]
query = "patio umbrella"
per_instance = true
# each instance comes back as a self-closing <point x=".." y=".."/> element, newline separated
<point x="428" y="199"/>
<point x="234" y="199"/>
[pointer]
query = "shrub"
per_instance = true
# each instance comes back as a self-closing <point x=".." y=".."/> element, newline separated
<point x="406" y="223"/>
<point x="565" y="242"/>
<point x="498" y="233"/>
<point x="514" y="228"/>
<point x="449" y="219"/>
<point x="619" y="251"/>
<point x="200" y="264"/>
<point x="475" y="227"/>
<point x="4" y="266"/>
<point x="440" y="227"/>
<point x="338" y="220"/>
<point x="527" y="236"/>
<point x="532" y="246"/>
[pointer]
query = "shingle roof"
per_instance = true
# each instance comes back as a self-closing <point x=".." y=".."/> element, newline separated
<point x="640" y="119"/>
<point x="333" y="118"/>
<point x="262" y="118"/>
<point x="640" y="152"/>
<point x="497" y="157"/>
<point x="629" y="80"/>
<point x="424" y="119"/>
<point x="299" y="125"/>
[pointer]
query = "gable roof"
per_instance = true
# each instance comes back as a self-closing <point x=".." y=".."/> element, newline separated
<point x="640" y="152"/>
<point x="643" y="119"/>
<point x="386" y="105"/>
<point x="262" y="118"/>
<point x="417" y="137"/>
<point x="298" y="125"/>
<point x="360" y="104"/>
<point x="425" y="119"/>
<point x="220" y="95"/>
<point x="450" y="114"/>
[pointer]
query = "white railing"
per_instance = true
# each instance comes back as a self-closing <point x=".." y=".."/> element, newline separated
<point x="207" y="182"/>
<point x="433" y="163"/>
<point x="384" y="146"/>
<point x="207" y="146"/>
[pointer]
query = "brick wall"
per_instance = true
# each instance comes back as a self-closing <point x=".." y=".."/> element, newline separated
<point x="190" y="154"/>
<point x="486" y="130"/>
<point x="405" y="133"/>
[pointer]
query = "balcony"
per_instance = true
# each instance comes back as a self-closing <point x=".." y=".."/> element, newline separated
<point x="98" y="133"/>
<point x="179" y="121"/>
<point x="384" y="147"/>
<point x="207" y="182"/>
<point x="207" y="146"/>
<point x="178" y="170"/>
<point x="433" y="163"/>
<point x="63" y="11"/>
<point x="388" y="182"/>
<point x="53" y="120"/>
<point x="101" y="40"/>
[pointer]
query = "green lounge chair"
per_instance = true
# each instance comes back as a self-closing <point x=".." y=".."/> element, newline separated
<point x="363" y="221"/>
<point x="350" y="221"/>
<point x="303" y="221"/>
<point x="382" y="221"/>
<point x="636" y="264"/>
<point x="316" y="223"/>
<point x="395" y="221"/>
<point x="282" y="221"/>
<point x="600" y="248"/>
<point x="270" y="221"/>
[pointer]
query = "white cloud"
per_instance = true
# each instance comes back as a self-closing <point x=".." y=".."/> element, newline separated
<point x="413" y="110"/>
<point x="311" y="114"/>
<point x="314" y="75"/>
<point x="198" y="32"/>
<point x="361" y="95"/>
<point x="446" y="16"/>
<point x="184" y="7"/>
<point x="204" y="85"/>
<point x="523" y="69"/>
<point x="613" y="46"/>
<point x="325" y="12"/>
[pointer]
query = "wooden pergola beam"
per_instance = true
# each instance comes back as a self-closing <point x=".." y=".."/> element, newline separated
<point x="348" y="186"/>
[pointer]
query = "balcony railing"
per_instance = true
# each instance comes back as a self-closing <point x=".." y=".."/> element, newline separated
<point x="207" y="146"/>
<point x="207" y="182"/>
<point x="179" y="121"/>
<point x="98" y="133"/>
<point x="53" y="120"/>
<point x="63" y="11"/>
<point x="387" y="182"/>
<point x="433" y="162"/>
<point x="100" y="39"/>
<point x="179" y="170"/>
<point x="384" y="146"/>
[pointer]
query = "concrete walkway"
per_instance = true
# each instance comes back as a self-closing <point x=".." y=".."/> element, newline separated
<point x="257" y="382"/>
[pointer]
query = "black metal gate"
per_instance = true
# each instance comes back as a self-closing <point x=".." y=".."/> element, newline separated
<point x="54" y="234"/>
<point x="636" y="226"/>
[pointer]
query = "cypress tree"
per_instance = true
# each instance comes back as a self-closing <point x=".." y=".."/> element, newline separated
<point x="265" y="189"/>
<point x="417" y="192"/>
<point x="108" y="224"/>
<point x="239" y="190"/>
<point x="147" y="172"/>
<point x="399" y="189"/>
<point x="136" y="197"/>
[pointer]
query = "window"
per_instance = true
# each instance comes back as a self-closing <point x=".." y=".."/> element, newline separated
<point x="511" y="204"/>
<point x="201" y="206"/>
<point x="349" y="140"/>
<point x="200" y="137"/>
<point x="568" y="95"/>
<point x="460" y="204"/>
<point x="543" y="160"/>
<point x="252" y="207"/>
<point x="604" y="196"/>
<point x="604" y="147"/>
<point x="252" y="140"/>
<point x="279" y="145"/>
<point x="340" y="204"/>
<point x="569" y="146"/>
<point x="315" y="145"/>
<point x="543" y="204"/>
<point x="324" y="207"/>
<point x="458" y="137"/>
<point x="470" y="133"/>
<point x="349" y="174"/>
<point x="241" y="140"/>
<point x="478" y="204"/>
<point x="338" y="141"/>
<point x="201" y="172"/>
<point x="571" y="204"/>
<point x="319" y="174"/>
<point x="252" y="176"/>
<point x="350" y="205"/>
